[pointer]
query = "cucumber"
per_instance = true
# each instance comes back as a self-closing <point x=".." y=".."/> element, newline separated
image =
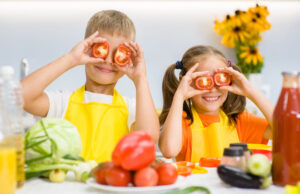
<point x="239" y="178"/>
<point x="259" y="165"/>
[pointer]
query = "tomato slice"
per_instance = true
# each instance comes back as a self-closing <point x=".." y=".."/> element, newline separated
<point x="100" y="50"/>
<point x="122" y="55"/>
<point x="222" y="79"/>
<point x="209" y="162"/>
<point x="204" y="83"/>
<point x="184" y="170"/>
<point x="185" y="163"/>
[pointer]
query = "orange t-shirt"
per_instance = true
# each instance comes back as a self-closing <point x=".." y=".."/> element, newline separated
<point x="250" y="129"/>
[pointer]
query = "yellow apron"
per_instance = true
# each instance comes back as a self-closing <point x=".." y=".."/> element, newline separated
<point x="210" y="141"/>
<point x="100" y="125"/>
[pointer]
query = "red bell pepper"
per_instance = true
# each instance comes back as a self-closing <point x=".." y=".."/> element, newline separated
<point x="134" y="151"/>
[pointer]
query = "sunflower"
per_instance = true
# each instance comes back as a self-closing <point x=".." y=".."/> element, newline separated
<point x="240" y="18"/>
<point x="259" y="11"/>
<point x="233" y="35"/>
<point x="242" y="31"/>
<point x="221" y="27"/>
<point x="250" y="55"/>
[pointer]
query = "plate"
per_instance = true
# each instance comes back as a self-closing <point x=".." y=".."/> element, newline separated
<point x="91" y="182"/>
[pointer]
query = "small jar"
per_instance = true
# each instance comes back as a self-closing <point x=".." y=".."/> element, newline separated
<point x="234" y="156"/>
<point x="244" y="146"/>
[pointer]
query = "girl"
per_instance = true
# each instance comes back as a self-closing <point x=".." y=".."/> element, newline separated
<point x="201" y="123"/>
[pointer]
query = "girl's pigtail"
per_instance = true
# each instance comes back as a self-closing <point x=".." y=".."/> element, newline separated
<point x="169" y="87"/>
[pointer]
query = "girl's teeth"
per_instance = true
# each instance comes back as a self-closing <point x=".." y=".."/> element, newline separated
<point x="211" y="98"/>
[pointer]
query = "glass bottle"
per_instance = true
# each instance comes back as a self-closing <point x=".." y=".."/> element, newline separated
<point x="234" y="156"/>
<point x="7" y="154"/>
<point x="12" y="98"/>
<point x="245" y="148"/>
<point x="286" y="132"/>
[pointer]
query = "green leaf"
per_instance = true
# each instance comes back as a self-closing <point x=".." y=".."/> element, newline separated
<point x="70" y="157"/>
<point x="190" y="189"/>
<point x="30" y="175"/>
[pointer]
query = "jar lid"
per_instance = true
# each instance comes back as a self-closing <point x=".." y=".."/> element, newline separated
<point x="242" y="145"/>
<point x="293" y="73"/>
<point x="233" y="151"/>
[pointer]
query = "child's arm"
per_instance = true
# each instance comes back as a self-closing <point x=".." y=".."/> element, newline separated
<point x="35" y="99"/>
<point x="146" y="117"/>
<point x="170" y="140"/>
<point x="241" y="86"/>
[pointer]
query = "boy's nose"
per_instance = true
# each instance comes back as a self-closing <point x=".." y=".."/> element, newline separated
<point x="110" y="58"/>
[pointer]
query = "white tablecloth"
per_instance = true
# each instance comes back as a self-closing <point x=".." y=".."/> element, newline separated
<point x="209" y="180"/>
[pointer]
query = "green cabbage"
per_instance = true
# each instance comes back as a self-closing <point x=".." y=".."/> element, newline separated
<point x="51" y="139"/>
<point x="54" y="145"/>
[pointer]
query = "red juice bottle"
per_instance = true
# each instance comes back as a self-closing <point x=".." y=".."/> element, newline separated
<point x="286" y="132"/>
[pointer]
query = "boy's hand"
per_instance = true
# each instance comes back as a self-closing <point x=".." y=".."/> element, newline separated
<point x="186" y="89"/>
<point x="137" y="69"/>
<point x="80" y="54"/>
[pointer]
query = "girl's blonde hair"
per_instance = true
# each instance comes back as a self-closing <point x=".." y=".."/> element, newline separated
<point x="112" y="22"/>
<point x="233" y="105"/>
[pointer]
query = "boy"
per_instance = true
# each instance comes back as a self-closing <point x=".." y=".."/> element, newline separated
<point x="101" y="115"/>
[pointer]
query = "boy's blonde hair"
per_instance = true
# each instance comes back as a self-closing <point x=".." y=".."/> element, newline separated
<point x="112" y="22"/>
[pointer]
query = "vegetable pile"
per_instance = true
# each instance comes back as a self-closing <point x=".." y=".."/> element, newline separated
<point x="133" y="163"/>
<point x="257" y="175"/>
<point x="52" y="149"/>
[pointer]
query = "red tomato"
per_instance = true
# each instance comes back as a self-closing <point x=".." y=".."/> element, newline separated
<point x="204" y="83"/>
<point x="167" y="174"/>
<point x="122" y="55"/>
<point x="145" y="177"/>
<point x="116" y="176"/>
<point x="99" y="172"/>
<point x="209" y="162"/>
<point x="222" y="79"/>
<point x="100" y="50"/>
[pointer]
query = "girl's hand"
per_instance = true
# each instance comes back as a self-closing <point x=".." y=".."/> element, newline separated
<point x="239" y="83"/>
<point x="186" y="87"/>
<point x="80" y="54"/>
<point x="137" y="69"/>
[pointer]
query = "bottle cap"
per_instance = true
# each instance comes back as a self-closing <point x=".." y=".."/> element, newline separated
<point x="242" y="145"/>
<point x="292" y="73"/>
<point x="7" y="70"/>
<point x="233" y="151"/>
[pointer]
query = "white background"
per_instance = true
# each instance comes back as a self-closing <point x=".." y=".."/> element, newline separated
<point x="44" y="31"/>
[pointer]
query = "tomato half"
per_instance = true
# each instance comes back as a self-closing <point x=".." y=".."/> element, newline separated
<point x="204" y="83"/>
<point x="100" y="50"/>
<point x="99" y="172"/>
<point x="222" y="79"/>
<point x="145" y="177"/>
<point x="116" y="176"/>
<point x="167" y="174"/>
<point x="209" y="162"/>
<point x="122" y="55"/>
